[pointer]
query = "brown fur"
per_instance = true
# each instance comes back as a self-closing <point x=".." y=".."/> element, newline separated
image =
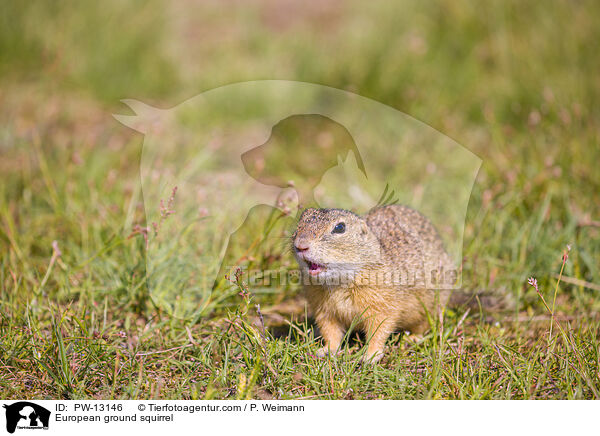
<point x="378" y="272"/>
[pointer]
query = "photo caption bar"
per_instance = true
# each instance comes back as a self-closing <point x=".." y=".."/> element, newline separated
<point x="295" y="417"/>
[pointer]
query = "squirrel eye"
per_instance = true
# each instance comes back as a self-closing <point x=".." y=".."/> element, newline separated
<point x="339" y="228"/>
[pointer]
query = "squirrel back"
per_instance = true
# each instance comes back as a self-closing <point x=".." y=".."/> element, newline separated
<point x="409" y="240"/>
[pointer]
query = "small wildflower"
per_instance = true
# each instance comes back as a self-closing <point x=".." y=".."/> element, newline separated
<point x="237" y="280"/>
<point x="533" y="282"/>
<point x="139" y="230"/>
<point x="55" y="250"/>
<point x="165" y="211"/>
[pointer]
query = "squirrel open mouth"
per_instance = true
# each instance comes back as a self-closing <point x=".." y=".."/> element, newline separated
<point x="314" y="268"/>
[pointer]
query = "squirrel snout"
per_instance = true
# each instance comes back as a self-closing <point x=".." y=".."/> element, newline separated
<point x="301" y="245"/>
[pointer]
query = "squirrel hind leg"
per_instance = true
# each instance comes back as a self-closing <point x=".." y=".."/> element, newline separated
<point x="413" y="338"/>
<point x="415" y="333"/>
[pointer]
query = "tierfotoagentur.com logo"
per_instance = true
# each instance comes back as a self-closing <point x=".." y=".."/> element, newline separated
<point x="401" y="277"/>
<point x="25" y="415"/>
<point x="226" y="175"/>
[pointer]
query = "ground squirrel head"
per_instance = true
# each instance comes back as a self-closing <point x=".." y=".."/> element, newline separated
<point x="329" y="243"/>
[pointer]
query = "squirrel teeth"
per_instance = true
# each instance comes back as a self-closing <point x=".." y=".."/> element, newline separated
<point x="314" y="268"/>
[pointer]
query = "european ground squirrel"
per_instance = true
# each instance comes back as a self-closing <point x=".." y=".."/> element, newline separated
<point x="382" y="271"/>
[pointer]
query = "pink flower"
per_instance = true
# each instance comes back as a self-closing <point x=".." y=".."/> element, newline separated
<point x="566" y="254"/>
<point x="533" y="282"/>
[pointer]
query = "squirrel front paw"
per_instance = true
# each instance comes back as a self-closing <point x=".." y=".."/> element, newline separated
<point x="372" y="357"/>
<point x="325" y="351"/>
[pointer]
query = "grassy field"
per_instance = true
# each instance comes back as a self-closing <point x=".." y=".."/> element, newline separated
<point x="517" y="83"/>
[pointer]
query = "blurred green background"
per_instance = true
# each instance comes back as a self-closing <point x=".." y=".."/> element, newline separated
<point x="515" y="82"/>
<point x="502" y="58"/>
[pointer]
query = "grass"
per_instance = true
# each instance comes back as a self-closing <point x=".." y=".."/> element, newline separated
<point x="515" y="83"/>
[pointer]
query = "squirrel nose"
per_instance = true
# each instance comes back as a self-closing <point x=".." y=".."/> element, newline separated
<point x="301" y="245"/>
